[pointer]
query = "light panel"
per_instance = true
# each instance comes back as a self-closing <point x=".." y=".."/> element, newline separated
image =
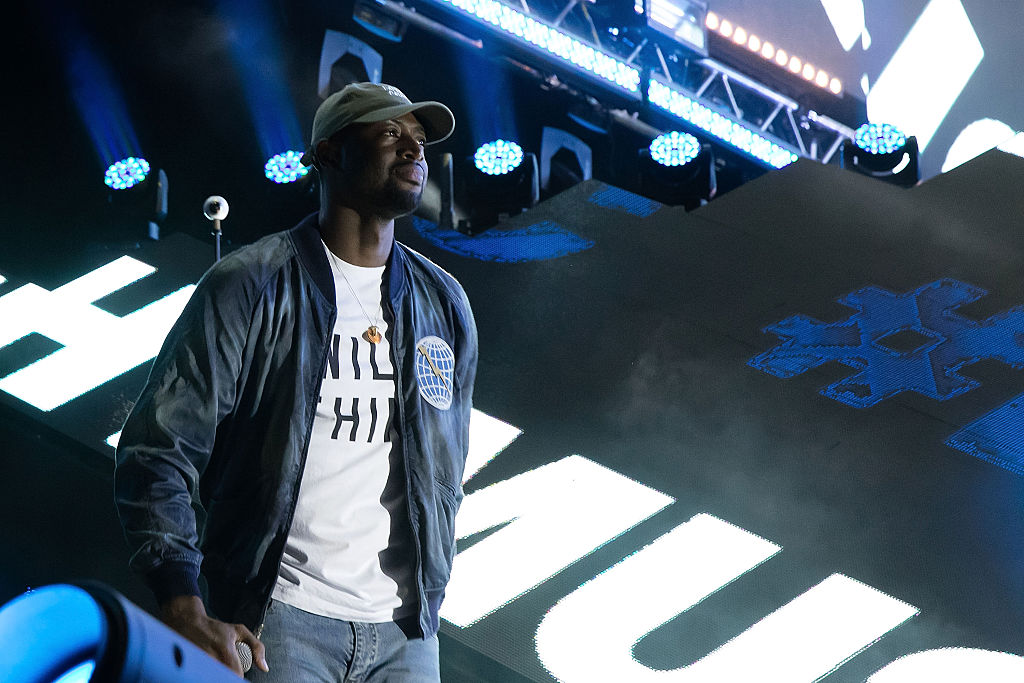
<point x="498" y="157"/>
<point x="745" y="140"/>
<point x="126" y="173"/>
<point x="551" y="42"/>
<point x="674" y="149"/>
<point x="879" y="138"/>
<point x="285" y="167"/>
<point x="771" y="53"/>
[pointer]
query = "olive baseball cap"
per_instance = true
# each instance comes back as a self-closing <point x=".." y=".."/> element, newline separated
<point x="370" y="102"/>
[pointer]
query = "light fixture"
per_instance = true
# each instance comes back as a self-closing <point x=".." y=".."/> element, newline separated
<point x="681" y="20"/>
<point x="285" y="167"/>
<point x="65" y="633"/>
<point x="498" y="181"/>
<point x="565" y="160"/>
<point x="675" y="169"/>
<point x="748" y="141"/>
<point x="126" y="173"/>
<point x="137" y="197"/>
<point x="369" y="16"/>
<point x="883" y="151"/>
<point x="345" y="59"/>
<point x="552" y="43"/>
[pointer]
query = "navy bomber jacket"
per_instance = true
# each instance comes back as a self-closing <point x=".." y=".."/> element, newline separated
<point x="210" y="459"/>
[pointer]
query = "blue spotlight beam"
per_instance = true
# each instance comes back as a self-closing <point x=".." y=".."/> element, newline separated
<point x="773" y="153"/>
<point x="256" y="48"/>
<point x="94" y="91"/>
<point x="550" y="42"/>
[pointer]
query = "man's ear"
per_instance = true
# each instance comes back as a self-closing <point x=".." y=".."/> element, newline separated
<point x="326" y="154"/>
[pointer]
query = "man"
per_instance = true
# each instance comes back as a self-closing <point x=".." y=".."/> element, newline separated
<point x="303" y="432"/>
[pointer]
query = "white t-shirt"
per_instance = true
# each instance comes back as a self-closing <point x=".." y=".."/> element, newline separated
<point x="348" y="554"/>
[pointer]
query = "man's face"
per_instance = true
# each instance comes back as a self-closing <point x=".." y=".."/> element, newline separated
<point x="382" y="166"/>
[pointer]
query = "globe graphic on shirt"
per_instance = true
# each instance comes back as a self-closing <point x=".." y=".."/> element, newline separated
<point x="435" y="368"/>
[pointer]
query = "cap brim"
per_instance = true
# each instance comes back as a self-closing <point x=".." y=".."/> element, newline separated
<point x="437" y="120"/>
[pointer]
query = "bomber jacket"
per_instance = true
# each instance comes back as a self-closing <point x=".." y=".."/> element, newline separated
<point x="209" y="461"/>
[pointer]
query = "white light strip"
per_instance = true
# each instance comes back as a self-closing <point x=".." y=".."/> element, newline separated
<point x="770" y="53"/>
<point x="113" y="439"/>
<point x="2" y="279"/>
<point x="552" y="42"/>
<point x="722" y="127"/>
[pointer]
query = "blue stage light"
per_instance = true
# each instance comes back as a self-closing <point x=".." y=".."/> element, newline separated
<point x="552" y="42"/>
<point x="747" y="141"/>
<point x="674" y="149"/>
<point x="285" y="167"/>
<point x="498" y="157"/>
<point x="879" y="138"/>
<point x="126" y="173"/>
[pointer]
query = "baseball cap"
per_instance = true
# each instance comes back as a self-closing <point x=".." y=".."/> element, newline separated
<point x="370" y="102"/>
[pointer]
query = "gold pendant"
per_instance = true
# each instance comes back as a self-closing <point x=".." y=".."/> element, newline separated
<point x="372" y="335"/>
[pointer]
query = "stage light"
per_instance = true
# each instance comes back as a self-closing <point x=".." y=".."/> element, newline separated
<point x="750" y="142"/>
<point x="345" y="59"/>
<point x="565" y="160"/>
<point x="378" y="23"/>
<point x="66" y="633"/>
<point x="675" y="169"/>
<point x="883" y="151"/>
<point x="674" y="149"/>
<point x="285" y="167"/>
<point x="126" y="173"/>
<point x="498" y="157"/>
<point x="498" y="181"/>
<point x="687" y="26"/>
<point x="137" y="197"/>
<point x="551" y="42"/>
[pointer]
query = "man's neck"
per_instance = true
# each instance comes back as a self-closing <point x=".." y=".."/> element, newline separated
<point x="355" y="238"/>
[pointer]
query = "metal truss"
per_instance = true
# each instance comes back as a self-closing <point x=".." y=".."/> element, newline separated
<point x="738" y="97"/>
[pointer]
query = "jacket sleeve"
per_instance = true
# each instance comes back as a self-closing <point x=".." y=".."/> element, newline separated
<point x="168" y="438"/>
<point x="466" y="354"/>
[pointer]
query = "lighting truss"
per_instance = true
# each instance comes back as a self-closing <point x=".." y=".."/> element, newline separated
<point x="716" y="100"/>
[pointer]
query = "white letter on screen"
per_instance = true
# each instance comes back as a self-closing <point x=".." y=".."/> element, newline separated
<point x="644" y="591"/>
<point x="953" y="665"/>
<point x="930" y="69"/>
<point x="804" y="640"/>
<point x="488" y="436"/>
<point x="556" y="514"/>
<point x="98" y="346"/>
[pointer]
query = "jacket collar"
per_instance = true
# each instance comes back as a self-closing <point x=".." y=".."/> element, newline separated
<point x="309" y="246"/>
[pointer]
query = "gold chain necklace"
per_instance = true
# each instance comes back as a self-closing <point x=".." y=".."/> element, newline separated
<point x="372" y="333"/>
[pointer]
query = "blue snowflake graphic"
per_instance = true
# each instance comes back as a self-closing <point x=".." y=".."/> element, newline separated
<point x="874" y="342"/>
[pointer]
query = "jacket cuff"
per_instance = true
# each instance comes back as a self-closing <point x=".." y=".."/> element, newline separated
<point x="171" y="579"/>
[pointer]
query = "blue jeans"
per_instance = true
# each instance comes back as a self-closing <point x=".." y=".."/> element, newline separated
<point x="307" y="648"/>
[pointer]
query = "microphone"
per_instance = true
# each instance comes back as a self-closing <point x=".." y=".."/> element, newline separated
<point x="215" y="208"/>
<point x="245" y="654"/>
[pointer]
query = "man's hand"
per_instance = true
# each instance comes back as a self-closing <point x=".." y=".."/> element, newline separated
<point x="187" y="615"/>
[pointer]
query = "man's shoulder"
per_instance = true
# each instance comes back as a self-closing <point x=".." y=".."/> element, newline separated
<point x="254" y="263"/>
<point x="430" y="272"/>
